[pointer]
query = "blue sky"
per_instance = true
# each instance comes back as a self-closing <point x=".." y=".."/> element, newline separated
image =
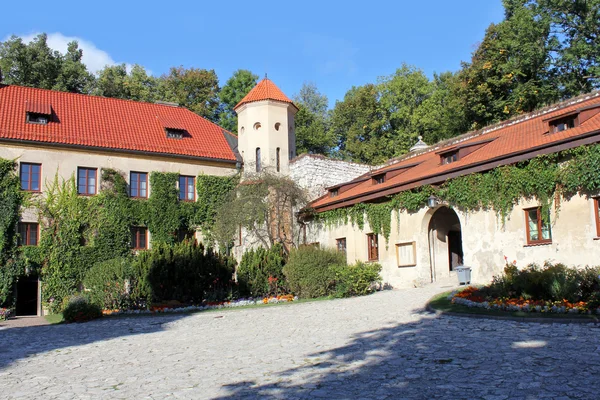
<point x="334" y="44"/>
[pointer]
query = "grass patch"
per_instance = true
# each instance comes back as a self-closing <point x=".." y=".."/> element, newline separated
<point x="441" y="303"/>
<point x="54" y="318"/>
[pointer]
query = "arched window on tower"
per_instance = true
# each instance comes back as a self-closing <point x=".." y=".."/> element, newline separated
<point x="258" y="163"/>
<point x="278" y="159"/>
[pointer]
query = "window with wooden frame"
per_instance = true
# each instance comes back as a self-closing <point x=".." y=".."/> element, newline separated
<point x="597" y="215"/>
<point x="138" y="185"/>
<point x="37" y="118"/>
<point x="139" y="238"/>
<point x="184" y="235"/>
<point x="562" y="124"/>
<point x="448" y="158"/>
<point x="187" y="188"/>
<point x="174" y="133"/>
<point x="373" y="246"/>
<point x="378" y="179"/>
<point x="87" y="181"/>
<point x="28" y="233"/>
<point x="31" y="176"/>
<point x="340" y="244"/>
<point x="538" y="228"/>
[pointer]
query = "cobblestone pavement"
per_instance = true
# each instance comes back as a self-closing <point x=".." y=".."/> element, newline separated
<point x="375" y="347"/>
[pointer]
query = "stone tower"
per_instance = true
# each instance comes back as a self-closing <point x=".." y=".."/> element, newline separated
<point x="266" y="132"/>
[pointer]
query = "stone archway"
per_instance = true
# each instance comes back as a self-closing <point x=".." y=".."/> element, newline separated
<point x="445" y="242"/>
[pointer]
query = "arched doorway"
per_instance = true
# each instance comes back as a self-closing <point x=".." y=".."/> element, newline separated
<point x="445" y="242"/>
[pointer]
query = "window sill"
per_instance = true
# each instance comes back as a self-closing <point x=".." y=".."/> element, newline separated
<point x="407" y="266"/>
<point x="596" y="238"/>
<point x="537" y="244"/>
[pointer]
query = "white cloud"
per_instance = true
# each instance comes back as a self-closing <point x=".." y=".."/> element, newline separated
<point x="94" y="58"/>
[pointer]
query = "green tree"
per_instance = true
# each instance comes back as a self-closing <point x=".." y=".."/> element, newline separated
<point x="115" y="81"/>
<point x="358" y="123"/>
<point x="312" y="121"/>
<point x="36" y="65"/>
<point x="508" y="73"/>
<point x="193" y="88"/>
<point x="236" y="87"/>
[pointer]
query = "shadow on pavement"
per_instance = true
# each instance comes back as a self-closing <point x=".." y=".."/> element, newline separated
<point x="445" y="357"/>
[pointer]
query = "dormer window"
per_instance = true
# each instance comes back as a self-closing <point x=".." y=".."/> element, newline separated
<point x="450" y="157"/>
<point x="334" y="192"/>
<point x="378" y="179"/>
<point x="38" y="113"/>
<point x="174" y="133"/>
<point x="36" y="118"/>
<point x="563" y="124"/>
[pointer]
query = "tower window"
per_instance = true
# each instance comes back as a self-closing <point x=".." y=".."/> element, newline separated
<point x="257" y="126"/>
<point x="277" y="126"/>
<point x="278" y="159"/>
<point x="258" y="162"/>
<point x="241" y="130"/>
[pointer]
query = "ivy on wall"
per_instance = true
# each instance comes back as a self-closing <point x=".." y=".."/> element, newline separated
<point x="542" y="178"/>
<point x="78" y="231"/>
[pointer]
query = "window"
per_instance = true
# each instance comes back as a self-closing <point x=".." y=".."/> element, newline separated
<point x="174" y="133"/>
<point x="448" y="158"/>
<point x="597" y="214"/>
<point x="257" y="126"/>
<point x="86" y="181"/>
<point x="28" y="233"/>
<point x="278" y="157"/>
<point x="187" y="188"/>
<point x="139" y="238"/>
<point x="334" y="192"/>
<point x="186" y="235"/>
<point x="37" y="118"/>
<point x="30" y="175"/>
<point x="372" y="243"/>
<point x="378" y="179"/>
<point x="562" y="124"/>
<point x="277" y="126"/>
<point x="138" y="185"/>
<point x="340" y="244"/>
<point x="538" y="230"/>
<point x="258" y="162"/>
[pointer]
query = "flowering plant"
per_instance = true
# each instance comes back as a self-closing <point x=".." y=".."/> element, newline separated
<point x="5" y="313"/>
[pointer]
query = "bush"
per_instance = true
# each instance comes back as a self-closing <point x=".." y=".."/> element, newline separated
<point x="356" y="280"/>
<point x="79" y="309"/>
<point x="109" y="283"/>
<point x="552" y="282"/>
<point x="261" y="272"/>
<point x="309" y="271"/>
<point x="185" y="272"/>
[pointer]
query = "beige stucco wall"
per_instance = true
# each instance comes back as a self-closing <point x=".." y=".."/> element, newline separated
<point x="65" y="162"/>
<point x="267" y="113"/>
<point x="486" y="239"/>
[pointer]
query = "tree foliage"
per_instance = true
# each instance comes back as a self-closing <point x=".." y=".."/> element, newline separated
<point x="234" y="90"/>
<point x="312" y="122"/>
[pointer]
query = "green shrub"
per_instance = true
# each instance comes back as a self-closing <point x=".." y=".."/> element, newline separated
<point x="185" y="272"/>
<point x="79" y="309"/>
<point x="309" y="271"/>
<point x="255" y="269"/>
<point x="552" y="282"/>
<point x="108" y="283"/>
<point x="356" y="280"/>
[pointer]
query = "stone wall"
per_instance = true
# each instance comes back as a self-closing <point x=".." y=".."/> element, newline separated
<point x="315" y="172"/>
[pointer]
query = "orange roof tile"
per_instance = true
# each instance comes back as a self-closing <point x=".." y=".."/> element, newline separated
<point x="265" y="90"/>
<point x="82" y="120"/>
<point x="525" y="136"/>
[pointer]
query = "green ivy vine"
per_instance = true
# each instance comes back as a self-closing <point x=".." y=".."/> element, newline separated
<point x="544" y="178"/>
<point x="79" y="231"/>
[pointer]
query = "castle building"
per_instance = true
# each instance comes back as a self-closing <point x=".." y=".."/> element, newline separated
<point x="53" y="133"/>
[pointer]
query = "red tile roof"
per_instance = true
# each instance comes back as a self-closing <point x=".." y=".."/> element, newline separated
<point x="265" y="90"/>
<point x="93" y="121"/>
<point x="524" y="136"/>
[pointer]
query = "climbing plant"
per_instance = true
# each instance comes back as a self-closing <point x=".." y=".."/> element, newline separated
<point x="500" y="189"/>
<point x="11" y="199"/>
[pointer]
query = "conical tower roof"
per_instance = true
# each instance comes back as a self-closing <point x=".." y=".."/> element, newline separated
<point x="265" y="90"/>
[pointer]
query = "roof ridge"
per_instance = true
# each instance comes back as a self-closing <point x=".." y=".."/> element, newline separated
<point x="517" y="119"/>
